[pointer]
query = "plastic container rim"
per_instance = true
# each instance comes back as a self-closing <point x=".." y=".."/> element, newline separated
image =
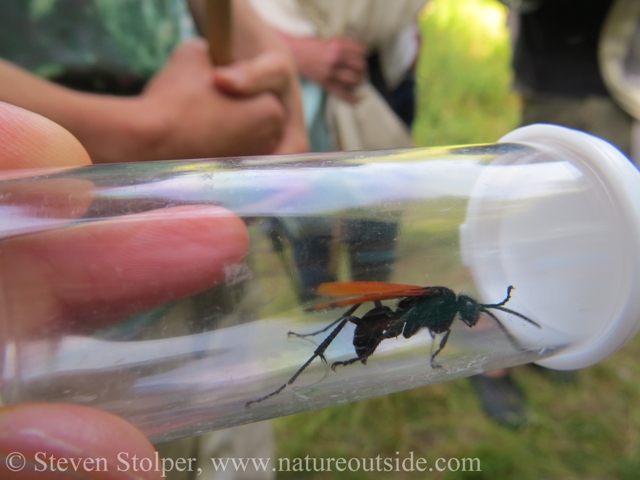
<point x="622" y="180"/>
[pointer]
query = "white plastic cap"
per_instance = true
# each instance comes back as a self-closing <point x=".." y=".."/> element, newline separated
<point x="561" y="223"/>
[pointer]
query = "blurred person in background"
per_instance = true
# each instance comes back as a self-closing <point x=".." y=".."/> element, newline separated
<point x="357" y="64"/>
<point x="359" y="58"/>
<point x="558" y="73"/>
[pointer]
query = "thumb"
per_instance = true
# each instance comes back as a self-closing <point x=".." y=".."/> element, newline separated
<point x="268" y="73"/>
<point x="30" y="140"/>
<point x="55" y="441"/>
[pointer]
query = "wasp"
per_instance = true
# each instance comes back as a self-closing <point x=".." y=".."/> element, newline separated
<point x="433" y="308"/>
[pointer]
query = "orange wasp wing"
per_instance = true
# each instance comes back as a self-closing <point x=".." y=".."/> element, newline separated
<point x="350" y="289"/>
<point x="362" y="292"/>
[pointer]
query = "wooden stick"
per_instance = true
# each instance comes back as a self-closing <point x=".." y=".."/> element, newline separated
<point x="219" y="31"/>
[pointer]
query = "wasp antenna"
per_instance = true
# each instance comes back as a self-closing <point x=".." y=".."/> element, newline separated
<point x="495" y="305"/>
<point x="508" y="334"/>
<point x="513" y="312"/>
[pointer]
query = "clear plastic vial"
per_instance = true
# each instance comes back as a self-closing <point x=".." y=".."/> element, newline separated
<point x="164" y="292"/>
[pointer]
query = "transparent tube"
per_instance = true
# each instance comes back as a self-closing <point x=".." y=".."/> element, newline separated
<point x="139" y="323"/>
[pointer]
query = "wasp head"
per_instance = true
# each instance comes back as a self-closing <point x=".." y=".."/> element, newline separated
<point x="469" y="310"/>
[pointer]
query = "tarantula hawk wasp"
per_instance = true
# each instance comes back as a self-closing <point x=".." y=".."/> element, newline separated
<point x="433" y="308"/>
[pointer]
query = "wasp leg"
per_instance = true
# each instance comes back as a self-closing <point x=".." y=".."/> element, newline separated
<point x="362" y="358"/>
<point x="443" y="342"/>
<point x="348" y="313"/>
<point x="319" y="352"/>
<point x="433" y="337"/>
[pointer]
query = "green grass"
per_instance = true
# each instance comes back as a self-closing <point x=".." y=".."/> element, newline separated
<point x="464" y="78"/>
<point x="590" y="430"/>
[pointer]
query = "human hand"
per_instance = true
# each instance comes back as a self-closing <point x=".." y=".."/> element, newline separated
<point x="337" y="64"/>
<point x="263" y="64"/>
<point x="81" y="277"/>
<point x="270" y="72"/>
<point x="194" y="119"/>
<point x="181" y="114"/>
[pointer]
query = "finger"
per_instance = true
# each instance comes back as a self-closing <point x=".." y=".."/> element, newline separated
<point x="347" y="77"/>
<point x="353" y="46"/>
<point x="83" y="277"/>
<point x="353" y="61"/>
<point x="101" y="444"/>
<point x="194" y="52"/>
<point x="294" y="140"/>
<point x="348" y="53"/>
<point x="340" y="91"/>
<point x="347" y="45"/>
<point x="41" y="204"/>
<point x="28" y="140"/>
<point x="266" y="73"/>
